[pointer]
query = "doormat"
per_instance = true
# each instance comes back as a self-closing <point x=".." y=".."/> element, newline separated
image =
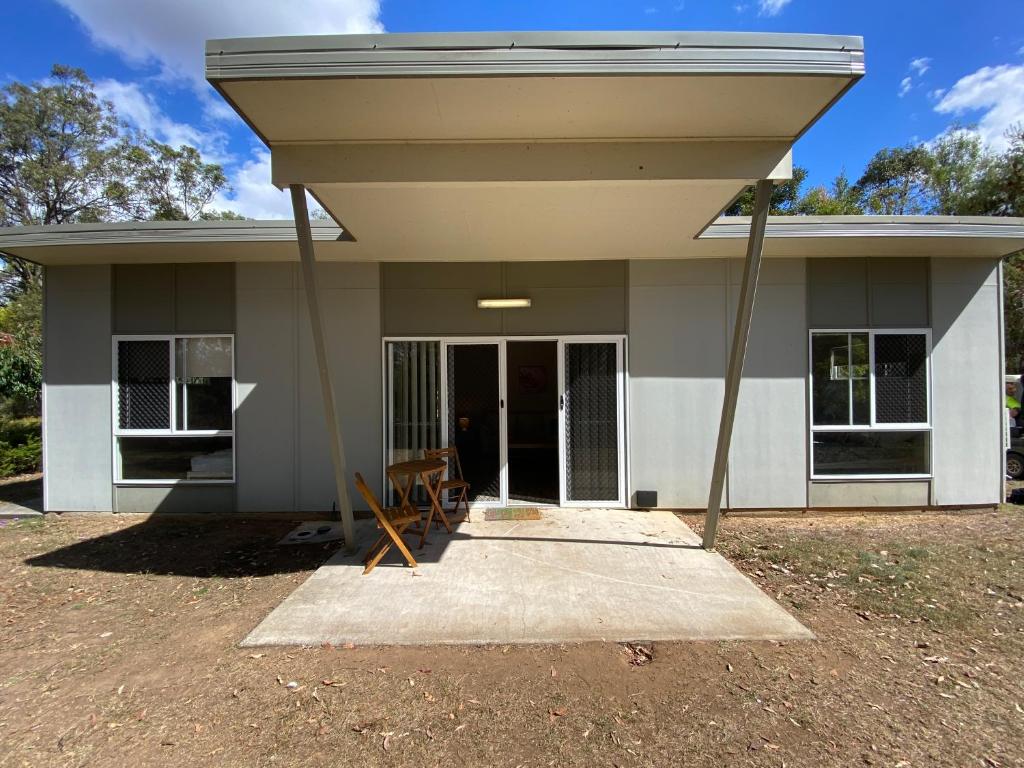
<point x="512" y="513"/>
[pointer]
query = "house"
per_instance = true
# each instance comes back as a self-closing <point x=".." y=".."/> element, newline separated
<point x="527" y="259"/>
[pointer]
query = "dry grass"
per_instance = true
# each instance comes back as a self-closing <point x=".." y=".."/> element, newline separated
<point x="118" y="646"/>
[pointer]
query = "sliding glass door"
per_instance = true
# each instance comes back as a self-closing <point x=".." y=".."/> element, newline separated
<point x="413" y="403"/>
<point x="474" y="403"/>
<point x="535" y="420"/>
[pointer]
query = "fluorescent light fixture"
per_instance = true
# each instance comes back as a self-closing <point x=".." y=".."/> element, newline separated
<point x="502" y="303"/>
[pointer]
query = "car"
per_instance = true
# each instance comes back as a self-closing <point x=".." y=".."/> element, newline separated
<point x="1015" y="456"/>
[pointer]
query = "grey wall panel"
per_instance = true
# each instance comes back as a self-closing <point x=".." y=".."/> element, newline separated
<point x="768" y="454"/>
<point x="352" y="327"/>
<point x="898" y="291"/>
<point x="569" y="310"/>
<point x="837" y="293"/>
<point x="204" y="297"/>
<point x="677" y="354"/>
<point x="967" y="388"/>
<point x="438" y="312"/>
<point x="440" y="299"/>
<point x="174" y="298"/>
<point x="283" y="455"/>
<point x="144" y="298"/>
<point x="851" y="495"/>
<point x="77" y="424"/>
<point x="265" y="371"/>
<point x="180" y="498"/>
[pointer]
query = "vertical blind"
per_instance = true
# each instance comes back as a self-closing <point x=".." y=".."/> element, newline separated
<point x="414" y="418"/>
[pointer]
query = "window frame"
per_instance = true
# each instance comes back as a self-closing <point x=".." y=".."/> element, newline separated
<point x="873" y="425"/>
<point x="171" y="430"/>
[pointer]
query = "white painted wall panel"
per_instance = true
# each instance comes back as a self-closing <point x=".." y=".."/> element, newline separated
<point x="967" y="381"/>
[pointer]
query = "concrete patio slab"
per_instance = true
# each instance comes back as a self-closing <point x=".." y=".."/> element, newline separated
<point x="573" y="576"/>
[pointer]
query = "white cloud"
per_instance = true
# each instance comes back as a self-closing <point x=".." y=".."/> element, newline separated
<point x="253" y="195"/>
<point x="771" y="7"/>
<point x="921" y="65"/>
<point x="936" y="94"/>
<point x="997" y="92"/>
<point x="173" y="34"/>
<point x="140" y="109"/>
<point x="905" y="85"/>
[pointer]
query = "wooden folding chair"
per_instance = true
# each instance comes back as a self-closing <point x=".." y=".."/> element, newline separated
<point x="394" y="521"/>
<point x="454" y="481"/>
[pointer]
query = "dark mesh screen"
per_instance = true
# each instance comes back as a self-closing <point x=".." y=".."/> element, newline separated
<point x="901" y="394"/>
<point x="591" y="422"/>
<point x="143" y="374"/>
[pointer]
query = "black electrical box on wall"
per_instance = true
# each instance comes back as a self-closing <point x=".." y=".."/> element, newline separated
<point x="646" y="499"/>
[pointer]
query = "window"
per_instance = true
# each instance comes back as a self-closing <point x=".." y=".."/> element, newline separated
<point x="174" y="409"/>
<point x="870" y="415"/>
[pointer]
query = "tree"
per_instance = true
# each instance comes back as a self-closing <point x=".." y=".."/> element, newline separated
<point x="958" y="167"/>
<point x="66" y="157"/>
<point x="895" y="181"/>
<point x="784" y="197"/>
<point x="842" y="199"/>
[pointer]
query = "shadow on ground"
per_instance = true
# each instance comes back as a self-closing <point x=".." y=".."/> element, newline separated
<point x="221" y="547"/>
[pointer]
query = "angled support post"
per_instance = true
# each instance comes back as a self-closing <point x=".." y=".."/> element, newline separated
<point x="312" y="290"/>
<point x="737" y="354"/>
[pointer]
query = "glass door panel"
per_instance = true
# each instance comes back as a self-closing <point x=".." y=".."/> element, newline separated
<point x="474" y="416"/>
<point x="413" y="416"/>
<point x="592" y="423"/>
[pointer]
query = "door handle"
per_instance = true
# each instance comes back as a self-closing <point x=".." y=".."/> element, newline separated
<point x="501" y="403"/>
<point x="561" y="402"/>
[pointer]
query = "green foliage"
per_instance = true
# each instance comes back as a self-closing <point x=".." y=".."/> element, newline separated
<point x="842" y="199"/>
<point x="66" y="157"/>
<point x="785" y="197"/>
<point x="21" y="447"/>
<point x="895" y="181"/>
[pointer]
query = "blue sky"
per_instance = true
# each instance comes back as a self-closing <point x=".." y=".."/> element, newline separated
<point x="929" y="63"/>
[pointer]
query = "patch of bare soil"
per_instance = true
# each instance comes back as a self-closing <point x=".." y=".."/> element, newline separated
<point x="119" y="647"/>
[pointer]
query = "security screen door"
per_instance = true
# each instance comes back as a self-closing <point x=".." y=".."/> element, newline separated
<point x="592" y="423"/>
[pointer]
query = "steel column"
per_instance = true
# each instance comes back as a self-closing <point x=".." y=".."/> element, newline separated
<point x="312" y="290"/>
<point x="737" y="354"/>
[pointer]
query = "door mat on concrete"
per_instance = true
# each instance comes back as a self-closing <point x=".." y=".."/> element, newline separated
<point x="512" y="513"/>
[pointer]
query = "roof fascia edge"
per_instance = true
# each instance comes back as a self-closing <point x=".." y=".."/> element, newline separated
<point x="847" y="227"/>
<point x="381" y="56"/>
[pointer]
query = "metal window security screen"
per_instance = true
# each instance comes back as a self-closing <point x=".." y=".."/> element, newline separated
<point x="591" y="422"/>
<point x="901" y="380"/>
<point x="143" y="374"/>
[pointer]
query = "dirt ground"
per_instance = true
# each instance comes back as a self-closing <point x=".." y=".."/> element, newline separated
<point x="119" y="647"/>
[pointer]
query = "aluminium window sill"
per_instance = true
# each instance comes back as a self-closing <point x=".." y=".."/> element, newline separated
<point x="168" y="483"/>
<point x="869" y="478"/>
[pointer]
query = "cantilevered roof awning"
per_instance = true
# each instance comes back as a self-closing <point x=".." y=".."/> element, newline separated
<point x="786" y="236"/>
<point x="512" y="146"/>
